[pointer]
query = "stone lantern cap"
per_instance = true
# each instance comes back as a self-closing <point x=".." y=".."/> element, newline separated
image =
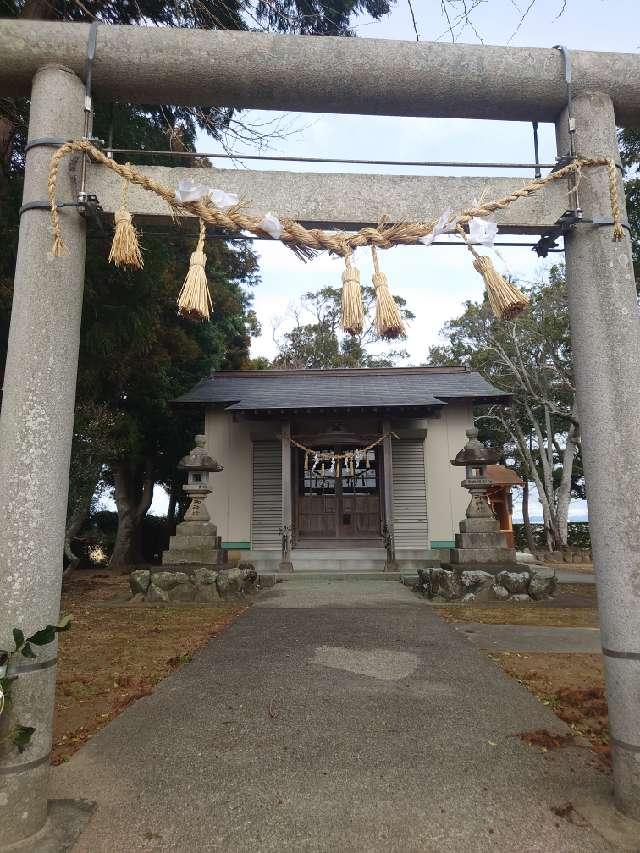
<point x="475" y="453"/>
<point x="198" y="459"/>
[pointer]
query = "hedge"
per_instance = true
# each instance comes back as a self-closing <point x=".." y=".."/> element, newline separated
<point x="578" y="535"/>
<point x="102" y="529"/>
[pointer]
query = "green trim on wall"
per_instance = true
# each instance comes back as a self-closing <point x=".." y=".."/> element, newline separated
<point x="442" y="543"/>
<point x="236" y="546"/>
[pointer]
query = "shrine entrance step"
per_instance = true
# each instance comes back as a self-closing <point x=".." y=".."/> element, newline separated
<point x="338" y="560"/>
<point x="311" y="577"/>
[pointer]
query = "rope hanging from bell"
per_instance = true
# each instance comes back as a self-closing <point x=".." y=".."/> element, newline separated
<point x="352" y="309"/>
<point x="125" y="247"/>
<point x="388" y="321"/>
<point x="506" y="300"/>
<point x="194" y="300"/>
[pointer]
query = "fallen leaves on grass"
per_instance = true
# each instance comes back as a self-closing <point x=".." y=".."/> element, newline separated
<point x="567" y="812"/>
<point x="115" y="655"/>
<point x="572" y="685"/>
<point x="545" y="740"/>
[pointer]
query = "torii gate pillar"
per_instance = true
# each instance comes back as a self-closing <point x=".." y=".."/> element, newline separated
<point x="36" y="429"/>
<point x="605" y="334"/>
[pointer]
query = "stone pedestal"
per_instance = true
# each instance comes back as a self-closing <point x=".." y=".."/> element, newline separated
<point x="482" y="545"/>
<point x="194" y="542"/>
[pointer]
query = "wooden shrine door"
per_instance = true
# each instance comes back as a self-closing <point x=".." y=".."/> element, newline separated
<point x="330" y="508"/>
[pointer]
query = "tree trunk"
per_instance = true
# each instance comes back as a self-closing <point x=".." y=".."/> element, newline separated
<point x="75" y="525"/>
<point x="133" y="495"/>
<point x="528" y="530"/>
<point x="564" y="489"/>
<point x="171" y="510"/>
<point x="527" y="457"/>
<point x="8" y="129"/>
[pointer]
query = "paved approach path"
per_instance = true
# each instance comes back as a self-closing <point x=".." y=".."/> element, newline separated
<point x="333" y="716"/>
<point x="531" y="638"/>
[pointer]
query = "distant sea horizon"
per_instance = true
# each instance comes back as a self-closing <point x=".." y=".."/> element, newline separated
<point x="537" y="519"/>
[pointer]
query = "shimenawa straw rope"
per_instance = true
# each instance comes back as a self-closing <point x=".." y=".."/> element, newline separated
<point x="306" y="241"/>
<point x="315" y="239"/>
<point x="324" y="455"/>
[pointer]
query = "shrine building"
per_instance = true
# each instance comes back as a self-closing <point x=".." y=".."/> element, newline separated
<point x="344" y="469"/>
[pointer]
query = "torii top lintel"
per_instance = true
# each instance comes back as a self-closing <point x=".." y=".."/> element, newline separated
<point x="318" y="74"/>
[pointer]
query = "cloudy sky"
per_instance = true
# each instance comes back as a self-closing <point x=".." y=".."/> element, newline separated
<point x="434" y="281"/>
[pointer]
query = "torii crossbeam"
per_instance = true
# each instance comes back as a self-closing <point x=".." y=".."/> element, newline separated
<point x="163" y="65"/>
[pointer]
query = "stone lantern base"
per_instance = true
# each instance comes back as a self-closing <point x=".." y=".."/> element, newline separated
<point x="481" y="545"/>
<point x="194" y="542"/>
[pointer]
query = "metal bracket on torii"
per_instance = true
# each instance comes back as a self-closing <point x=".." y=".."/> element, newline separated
<point x="567" y="222"/>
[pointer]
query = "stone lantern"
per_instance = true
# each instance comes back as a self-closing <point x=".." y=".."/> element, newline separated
<point x="196" y="538"/>
<point x="198" y="465"/>
<point x="480" y="543"/>
<point x="475" y="457"/>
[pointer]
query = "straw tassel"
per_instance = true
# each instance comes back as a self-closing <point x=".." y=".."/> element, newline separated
<point x="352" y="318"/>
<point x="506" y="301"/>
<point x="618" y="231"/>
<point x="388" y="322"/>
<point x="125" y="248"/>
<point x="59" y="248"/>
<point x="194" y="300"/>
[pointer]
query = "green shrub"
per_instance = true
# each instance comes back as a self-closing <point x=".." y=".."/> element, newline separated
<point x="578" y="535"/>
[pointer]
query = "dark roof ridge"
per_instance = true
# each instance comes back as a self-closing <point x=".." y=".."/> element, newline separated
<point x="337" y="371"/>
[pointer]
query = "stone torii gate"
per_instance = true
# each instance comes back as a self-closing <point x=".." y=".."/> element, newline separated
<point x="160" y="66"/>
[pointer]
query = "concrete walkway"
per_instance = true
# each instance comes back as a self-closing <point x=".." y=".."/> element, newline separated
<point x="334" y="716"/>
<point x="531" y="638"/>
<point x="566" y="575"/>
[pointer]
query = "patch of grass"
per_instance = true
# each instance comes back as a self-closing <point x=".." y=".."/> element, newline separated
<point x="112" y="656"/>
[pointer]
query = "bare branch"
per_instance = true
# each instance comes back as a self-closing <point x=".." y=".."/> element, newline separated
<point x="413" y="20"/>
<point x="532" y="3"/>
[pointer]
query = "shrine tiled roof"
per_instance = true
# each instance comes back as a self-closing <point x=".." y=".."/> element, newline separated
<point x="346" y="388"/>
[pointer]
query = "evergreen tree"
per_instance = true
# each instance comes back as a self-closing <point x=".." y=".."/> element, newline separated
<point x="320" y="342"/>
